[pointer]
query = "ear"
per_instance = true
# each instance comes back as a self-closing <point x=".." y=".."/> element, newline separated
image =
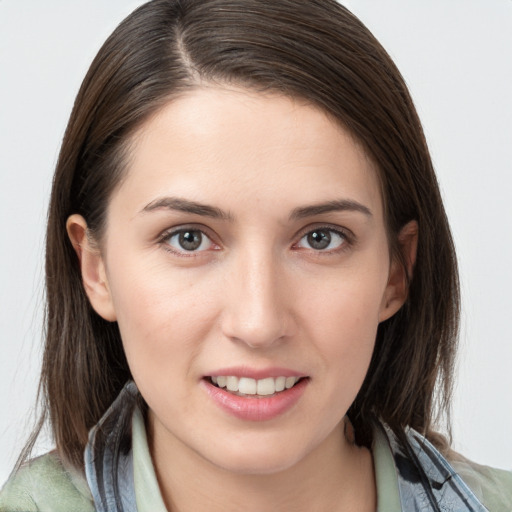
<point x="92" y="267"/>
<point x="399" y="274"/>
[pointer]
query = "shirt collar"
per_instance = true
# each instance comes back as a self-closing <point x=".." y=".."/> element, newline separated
<point x="411" y="476"/>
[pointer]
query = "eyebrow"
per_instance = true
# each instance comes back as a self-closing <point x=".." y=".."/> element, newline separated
<point x="186" y="206"/>
<point x="330" y="206"/>
<point x="204" y="210"/>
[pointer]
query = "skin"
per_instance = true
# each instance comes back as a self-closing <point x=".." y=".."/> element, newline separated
<point x="256" y="294"/>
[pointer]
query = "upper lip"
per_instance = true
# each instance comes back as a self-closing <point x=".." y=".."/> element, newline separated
<point x="257" y="374"/>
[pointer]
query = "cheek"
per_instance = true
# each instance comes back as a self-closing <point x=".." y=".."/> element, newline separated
<point x="163" y="317"/>
<point x="346" y="336"/>
<point x="345" y="305"/>
<point x="342" y="317"/>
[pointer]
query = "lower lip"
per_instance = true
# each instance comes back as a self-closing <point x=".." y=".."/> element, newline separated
<point x="253" y="408"/>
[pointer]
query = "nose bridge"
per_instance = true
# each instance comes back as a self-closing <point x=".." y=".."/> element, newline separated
<point x="255" y="312"/>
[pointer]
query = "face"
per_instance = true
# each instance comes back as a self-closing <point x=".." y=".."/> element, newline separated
<point x="245" y="252"/>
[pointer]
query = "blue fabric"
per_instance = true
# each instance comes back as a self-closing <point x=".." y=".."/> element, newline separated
<point x="109" y="459"/>
<point x="426" y="481"/>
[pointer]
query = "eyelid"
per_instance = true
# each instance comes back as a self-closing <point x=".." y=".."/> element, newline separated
<point x="165" y="235"/>
<point x="346" y="233"/>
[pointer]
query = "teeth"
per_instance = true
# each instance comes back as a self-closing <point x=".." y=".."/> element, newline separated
<point x="266" y="386"/>
<point x="290" y="381"/>
<point x="248" y="386"/>
<point x="232" y="383"/>
<point x="280" y="383"/>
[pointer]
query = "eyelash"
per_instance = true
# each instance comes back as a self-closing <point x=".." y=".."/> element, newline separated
<point x="165" y="238"/>
<point x="347" y="240"/>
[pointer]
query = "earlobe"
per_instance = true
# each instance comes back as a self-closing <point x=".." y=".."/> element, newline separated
<point x="400" y="272"/>
<point x="92" y="267"/>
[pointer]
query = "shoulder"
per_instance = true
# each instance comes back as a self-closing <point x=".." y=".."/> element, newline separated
<point x="43" y="484"/>
<point x="493" y="487"/>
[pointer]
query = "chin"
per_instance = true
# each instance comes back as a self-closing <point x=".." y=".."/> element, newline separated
<point x="258" y="458"/>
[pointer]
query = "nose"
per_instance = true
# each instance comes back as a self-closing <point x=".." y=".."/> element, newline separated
<point x="257" y="306"/>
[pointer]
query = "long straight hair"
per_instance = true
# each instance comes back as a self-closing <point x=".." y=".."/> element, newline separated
<point x="315" y="50"/>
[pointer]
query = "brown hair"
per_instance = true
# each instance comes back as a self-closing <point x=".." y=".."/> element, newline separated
<point x="315" y="50"/>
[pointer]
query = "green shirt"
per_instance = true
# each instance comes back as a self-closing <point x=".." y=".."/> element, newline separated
<point x="44" y="484"/>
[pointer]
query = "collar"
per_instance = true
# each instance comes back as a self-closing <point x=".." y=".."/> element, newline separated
<point x="410" y="477"/>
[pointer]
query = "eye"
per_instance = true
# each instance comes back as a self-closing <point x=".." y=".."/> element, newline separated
<point x="188" y="240"/>
<point x="322" y="239"/>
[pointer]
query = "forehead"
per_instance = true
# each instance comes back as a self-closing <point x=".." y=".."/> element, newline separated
<point x="219" y="144"/>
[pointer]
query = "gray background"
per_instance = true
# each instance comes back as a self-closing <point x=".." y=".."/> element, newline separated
<point x="456" y="56"/>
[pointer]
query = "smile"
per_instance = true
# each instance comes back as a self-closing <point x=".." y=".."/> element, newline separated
<point x="251" y="399"/>
<point x="246" y="386"/>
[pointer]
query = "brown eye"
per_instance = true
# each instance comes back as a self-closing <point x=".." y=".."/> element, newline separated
<point x="322" y="239"/>
<point x="189" y="240"/>
<point x="319" y="239"/>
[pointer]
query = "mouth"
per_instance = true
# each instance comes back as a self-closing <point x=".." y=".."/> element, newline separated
<point x="254" y="388"/>
<point x="250" y="398"/>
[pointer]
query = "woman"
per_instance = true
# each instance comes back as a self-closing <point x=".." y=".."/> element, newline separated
<point x="252" y="289"/>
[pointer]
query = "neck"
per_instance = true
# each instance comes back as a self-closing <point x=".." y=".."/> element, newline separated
<point x="336" y="475"/>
